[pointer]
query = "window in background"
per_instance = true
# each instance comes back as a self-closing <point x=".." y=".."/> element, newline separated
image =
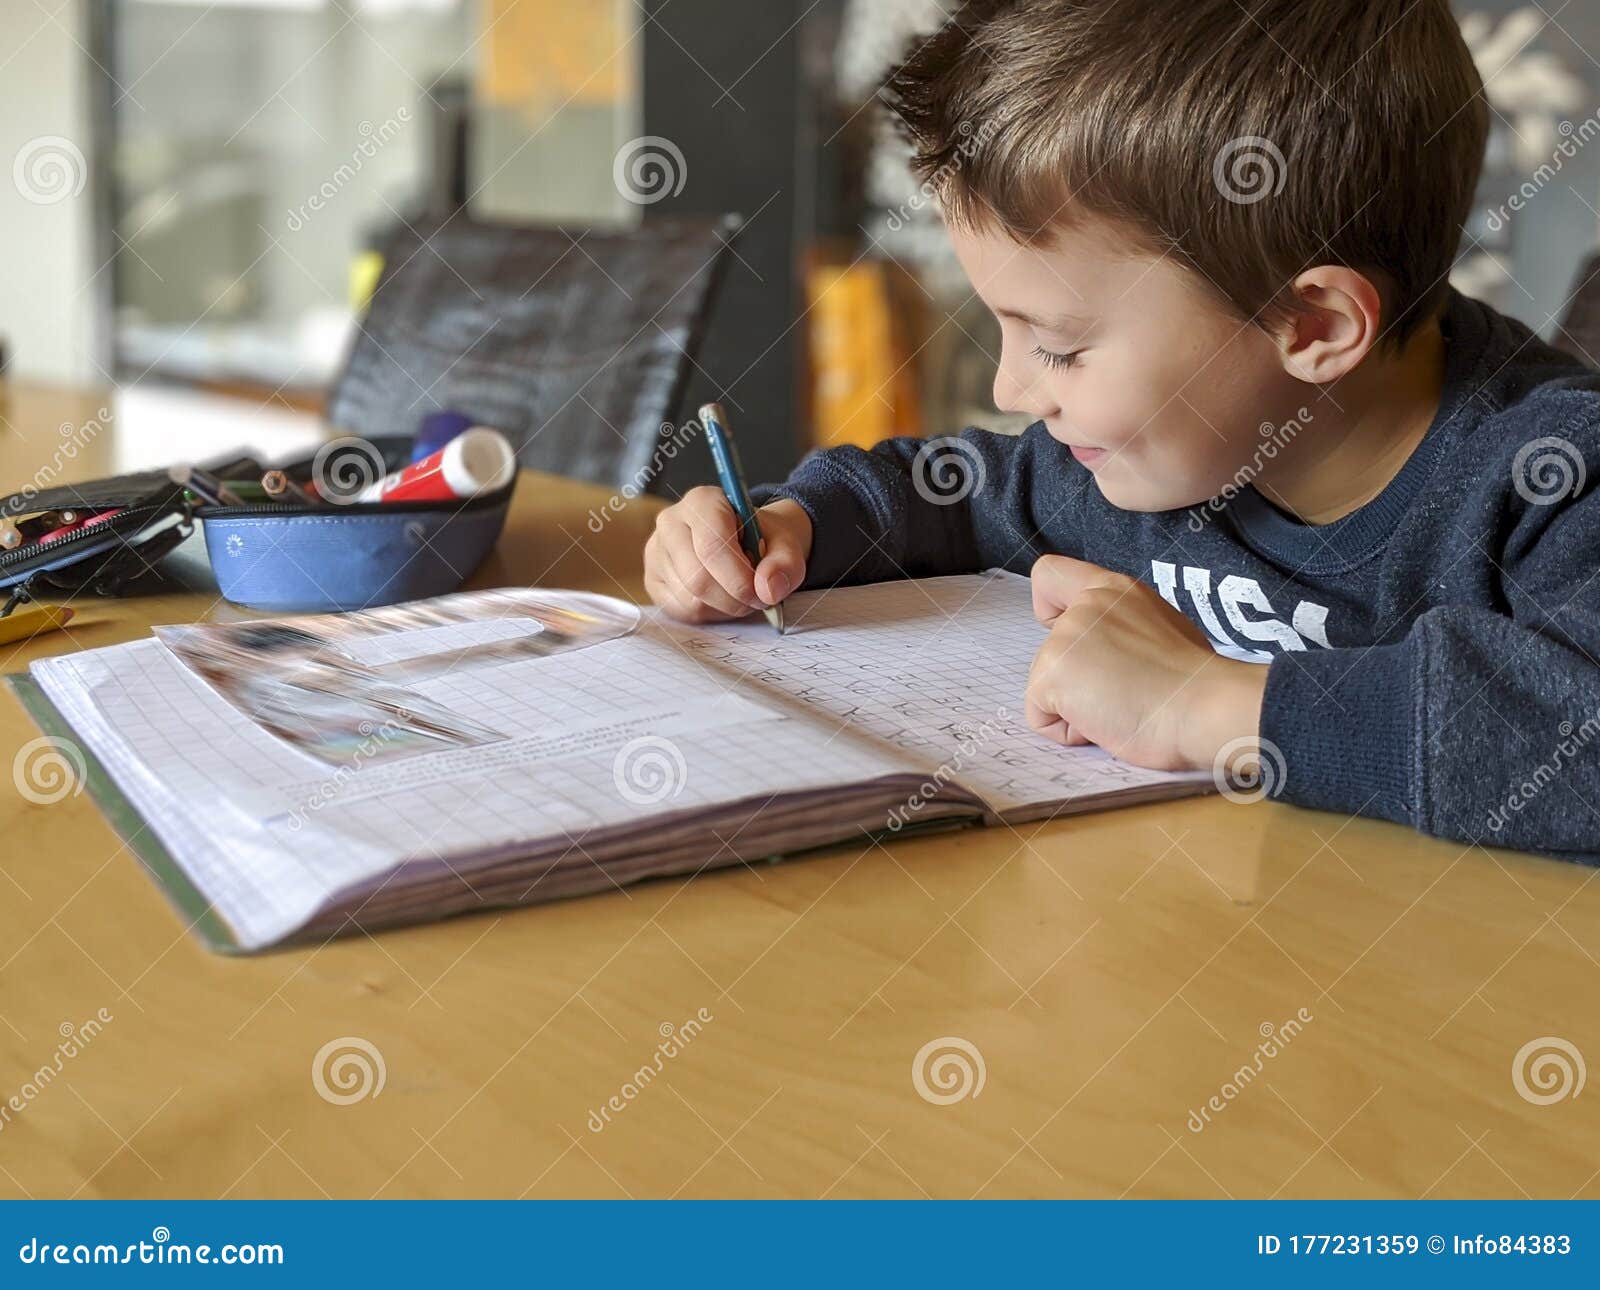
<point x="1538" y="214"/>
<point x="262" y="147"/>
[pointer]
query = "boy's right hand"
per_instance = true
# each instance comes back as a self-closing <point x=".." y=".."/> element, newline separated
<point x="695" y="569"/>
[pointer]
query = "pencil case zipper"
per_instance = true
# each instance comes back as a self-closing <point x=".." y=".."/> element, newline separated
<point x="292" y="510"/>
<point x="132" y="519"/>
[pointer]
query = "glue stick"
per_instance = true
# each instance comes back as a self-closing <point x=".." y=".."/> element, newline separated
<point x="478" y="461"/>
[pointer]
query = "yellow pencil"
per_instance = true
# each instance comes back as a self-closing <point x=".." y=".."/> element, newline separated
<point x="26" y="623"/>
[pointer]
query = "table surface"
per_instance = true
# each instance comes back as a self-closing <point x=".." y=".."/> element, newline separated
<point x="1116" y="978"/>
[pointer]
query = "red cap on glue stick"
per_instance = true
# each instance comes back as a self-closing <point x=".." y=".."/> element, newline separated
<point x="477" y="461"/>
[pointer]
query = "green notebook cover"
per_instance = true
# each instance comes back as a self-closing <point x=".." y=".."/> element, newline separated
<point x="193" y="907"/>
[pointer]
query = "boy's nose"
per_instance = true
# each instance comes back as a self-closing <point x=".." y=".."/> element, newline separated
<point x="1011" y="395"/>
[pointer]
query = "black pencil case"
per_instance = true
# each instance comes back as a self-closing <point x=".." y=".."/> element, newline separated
<point x="279" y="556"/>
<point x="153" y="516"/>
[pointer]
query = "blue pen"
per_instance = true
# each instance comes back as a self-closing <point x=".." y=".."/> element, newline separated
<point x="731" y="478"/>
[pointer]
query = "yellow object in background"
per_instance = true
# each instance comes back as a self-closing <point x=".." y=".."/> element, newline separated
<point x="864" y="377"/>
<point x="365" y="270"/>
<point x="542" y="53"/>
<point x="26" y="623"/>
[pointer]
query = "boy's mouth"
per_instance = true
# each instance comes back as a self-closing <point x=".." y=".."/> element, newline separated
<point x="1086" y="456"/>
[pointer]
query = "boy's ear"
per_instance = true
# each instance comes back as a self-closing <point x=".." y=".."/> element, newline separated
<point x="1336" y="321"/>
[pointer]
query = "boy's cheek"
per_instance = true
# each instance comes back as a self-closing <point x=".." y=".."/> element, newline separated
<point x="1156" y="457"/>
<point x="1147" y="475"/>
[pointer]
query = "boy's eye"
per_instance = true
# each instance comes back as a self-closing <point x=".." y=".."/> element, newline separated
<point x="1059" y="361"/>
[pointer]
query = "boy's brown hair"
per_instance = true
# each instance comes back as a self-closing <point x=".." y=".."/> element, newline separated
<point x="1251" y="139"/>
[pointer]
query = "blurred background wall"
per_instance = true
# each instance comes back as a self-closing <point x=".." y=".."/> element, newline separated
<point x="48" y="257"/>
<point x="197" y="185"/>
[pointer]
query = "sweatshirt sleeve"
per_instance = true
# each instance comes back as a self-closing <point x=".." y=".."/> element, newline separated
<point x="1477" y="726"/>
<point x="914" y="508"/>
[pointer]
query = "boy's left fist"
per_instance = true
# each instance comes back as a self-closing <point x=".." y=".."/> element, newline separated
<point x="1123" y="669"/>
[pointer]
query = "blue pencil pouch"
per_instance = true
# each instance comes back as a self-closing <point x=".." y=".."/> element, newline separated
<point x="296" y="558"/>
<point x="278" y="556"/>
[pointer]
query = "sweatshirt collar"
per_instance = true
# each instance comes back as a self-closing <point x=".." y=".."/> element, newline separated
<point x="1345" y="542"/>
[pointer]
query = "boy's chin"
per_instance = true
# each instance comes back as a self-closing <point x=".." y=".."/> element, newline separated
<point x="1133" y="494"/>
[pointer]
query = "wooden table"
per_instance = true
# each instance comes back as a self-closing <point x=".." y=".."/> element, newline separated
<point x="1113" y="972"/>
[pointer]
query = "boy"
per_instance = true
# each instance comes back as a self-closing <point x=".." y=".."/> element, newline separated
<point x="1217" y="238"/>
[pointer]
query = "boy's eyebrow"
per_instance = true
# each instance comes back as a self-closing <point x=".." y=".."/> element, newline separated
<point x="1056" y="322"/>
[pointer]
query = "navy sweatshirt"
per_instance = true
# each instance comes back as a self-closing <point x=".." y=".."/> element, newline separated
<point x="1433" y="655"/>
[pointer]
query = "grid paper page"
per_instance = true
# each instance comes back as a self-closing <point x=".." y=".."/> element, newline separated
<point x="935" y="670"/>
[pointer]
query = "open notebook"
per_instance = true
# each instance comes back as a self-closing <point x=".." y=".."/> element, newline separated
<point x="515" y="746"/>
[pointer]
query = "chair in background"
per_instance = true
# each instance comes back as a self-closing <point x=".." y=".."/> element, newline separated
<point x="575" y="343"/>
